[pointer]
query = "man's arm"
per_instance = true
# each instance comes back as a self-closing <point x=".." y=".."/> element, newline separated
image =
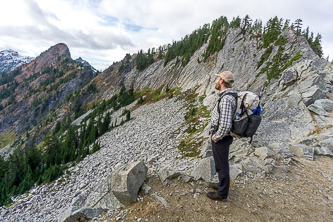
<point x="226" y="114"/>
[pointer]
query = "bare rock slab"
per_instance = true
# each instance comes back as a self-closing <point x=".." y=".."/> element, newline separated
<point x="127" y="180"/>
<point x="205" y="169"/>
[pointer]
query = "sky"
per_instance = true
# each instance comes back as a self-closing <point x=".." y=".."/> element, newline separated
<point x="103" y="31"/>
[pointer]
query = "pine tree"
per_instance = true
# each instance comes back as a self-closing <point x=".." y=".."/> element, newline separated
<point x="298" y="26"/>
<point x="316" y="46"/>
<point x="128" y="115"/>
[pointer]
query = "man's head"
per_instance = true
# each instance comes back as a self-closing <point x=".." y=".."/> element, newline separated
<point x="225" y="80"/>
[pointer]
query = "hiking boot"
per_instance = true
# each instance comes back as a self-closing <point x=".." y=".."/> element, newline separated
<point x="213" y="186"/>
<point x="215" y="196"/>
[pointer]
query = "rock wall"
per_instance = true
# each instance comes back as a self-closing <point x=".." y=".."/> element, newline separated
<point x="285" y="101"/>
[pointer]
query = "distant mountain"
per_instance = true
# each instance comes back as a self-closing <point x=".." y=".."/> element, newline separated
<point x="10" y="59"/>
<point x="85" y="63"/>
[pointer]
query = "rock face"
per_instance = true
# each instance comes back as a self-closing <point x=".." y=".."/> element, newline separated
<point x="288" y="98"/>
<point x="127" y="180"/>
<point x="10" y="59"/>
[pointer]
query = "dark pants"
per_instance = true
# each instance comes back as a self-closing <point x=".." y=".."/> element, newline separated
<point x="220" y="154"/>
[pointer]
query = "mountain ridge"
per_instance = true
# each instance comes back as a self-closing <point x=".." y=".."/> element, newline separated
<point x="295" y="84"/>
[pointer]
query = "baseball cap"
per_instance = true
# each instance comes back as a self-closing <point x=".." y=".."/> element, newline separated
<point x="227" y="76"/>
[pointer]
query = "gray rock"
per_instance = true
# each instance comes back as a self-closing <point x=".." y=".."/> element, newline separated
<point x="186" y="178"/>
<point x="268" y="168"/>
<point x="326" y="104"/>
<point x="302" y="151"/>
<point x="288" y="77"/>
<point x="205" y="170"/>
<point x="252" y="169"/>
<point x="279" y="148"/>
<point x="152" y="159"/>
<point x="80" y="215"/>
<point x="127" y="180"/>
<point x="235" y="171"/>
<point x="264" y="152"/>
<point x="317" y="109"/>
<point x="145" y="188"/>
<point x="160" y="199"/>
<point x="165" y="174"/>
<point x="314" y="93"/>
<point x="327" y="143"/>
<point x="323" y="151"/>
<point x="320" y="119"/>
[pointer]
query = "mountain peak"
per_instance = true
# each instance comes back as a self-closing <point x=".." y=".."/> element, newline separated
<point x="59" y="49"/>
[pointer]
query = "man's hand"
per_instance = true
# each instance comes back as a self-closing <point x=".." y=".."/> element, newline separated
<point x="213" y="139"/>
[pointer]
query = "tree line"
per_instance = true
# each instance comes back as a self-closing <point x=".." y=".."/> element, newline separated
<point x="67" y="143"/>
<point x="183" y="50"/>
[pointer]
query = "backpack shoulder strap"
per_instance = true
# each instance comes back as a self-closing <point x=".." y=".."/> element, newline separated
<point x="228" y="93"/>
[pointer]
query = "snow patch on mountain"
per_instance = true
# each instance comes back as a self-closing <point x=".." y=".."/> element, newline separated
<point x="10" y="59"/>
<point x="85" y="63"/>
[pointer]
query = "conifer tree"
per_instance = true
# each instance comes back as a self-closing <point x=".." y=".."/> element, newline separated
<point x="298" y="26"/>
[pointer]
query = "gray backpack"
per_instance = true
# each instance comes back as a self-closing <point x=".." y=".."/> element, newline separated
<point x="246" y="119"/>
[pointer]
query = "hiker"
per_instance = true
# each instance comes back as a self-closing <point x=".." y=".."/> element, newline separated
<point x="221" y="122"/>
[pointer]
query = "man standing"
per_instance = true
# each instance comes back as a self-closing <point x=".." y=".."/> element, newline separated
<point x="221" y="122"/>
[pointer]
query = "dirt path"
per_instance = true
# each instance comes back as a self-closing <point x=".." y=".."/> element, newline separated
<point x="305" y="193"/>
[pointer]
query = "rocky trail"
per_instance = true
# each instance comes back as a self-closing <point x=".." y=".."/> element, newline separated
<point x="304" y="193"/>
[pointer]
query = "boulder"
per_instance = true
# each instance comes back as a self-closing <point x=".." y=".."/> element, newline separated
<point x="264" y="152"/>
<point x="205" y="169"/>
<point x="82" y="214"/>
<point x="127" y="180"/>
<point x="302" y="151"/>
<point x="102" y="197"/>
<point x="165" y="174"/>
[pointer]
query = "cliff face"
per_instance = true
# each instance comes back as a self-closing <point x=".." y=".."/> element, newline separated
<point x="285" y="99"/>
<point x="45" y="59"/>
<point x="42" y="85"/>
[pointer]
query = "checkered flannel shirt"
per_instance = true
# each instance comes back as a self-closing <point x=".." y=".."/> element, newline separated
<point x="227" y="110"/>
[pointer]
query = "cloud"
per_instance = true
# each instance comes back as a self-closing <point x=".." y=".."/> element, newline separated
<point x="108" y="29"/>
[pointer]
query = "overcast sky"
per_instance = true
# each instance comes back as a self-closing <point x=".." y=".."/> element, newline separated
<point x="103" y="31"/>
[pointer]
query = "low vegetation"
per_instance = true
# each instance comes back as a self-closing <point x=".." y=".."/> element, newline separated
<point x="196" y="119"/>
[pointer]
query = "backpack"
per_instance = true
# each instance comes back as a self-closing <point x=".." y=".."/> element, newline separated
<point x="246" y="119"/>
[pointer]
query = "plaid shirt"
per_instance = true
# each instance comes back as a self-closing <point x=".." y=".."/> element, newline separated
<point x="227" y="110"/>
